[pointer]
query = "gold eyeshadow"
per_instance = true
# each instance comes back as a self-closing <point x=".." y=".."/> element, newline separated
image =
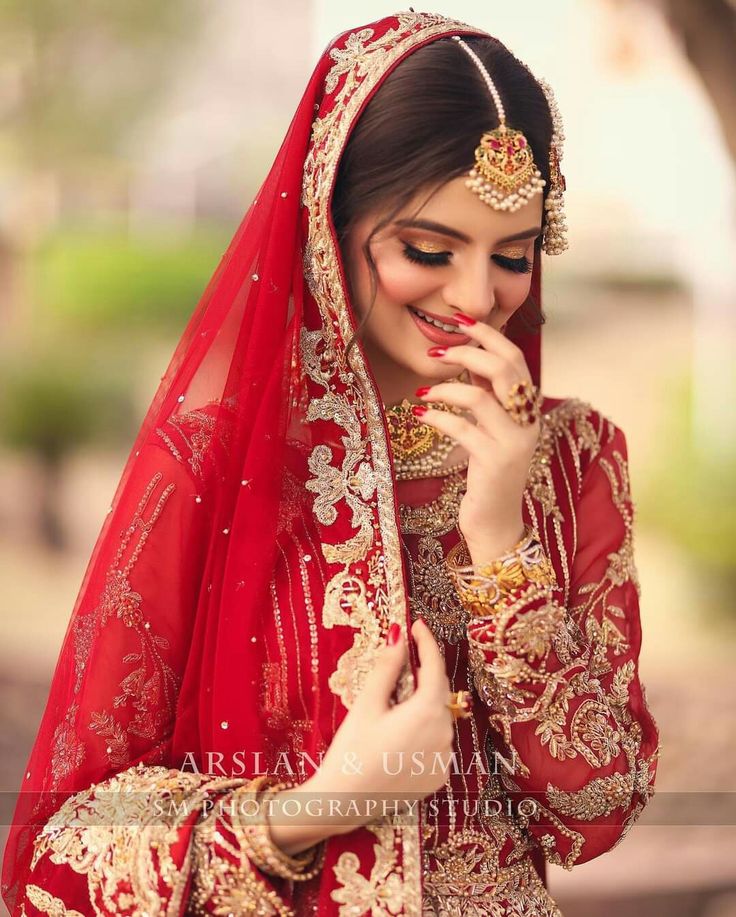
<point x="513" y="252"/>
<point x="429" y="248"/>
<point x="433" y="248"/>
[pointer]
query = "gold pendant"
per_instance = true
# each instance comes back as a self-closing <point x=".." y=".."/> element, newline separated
<point x="410" y="437"/>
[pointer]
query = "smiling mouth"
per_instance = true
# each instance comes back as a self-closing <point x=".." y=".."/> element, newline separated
<point x="449" y="327"/>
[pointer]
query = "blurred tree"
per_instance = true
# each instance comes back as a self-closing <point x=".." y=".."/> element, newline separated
<point x="51" y="402"/>
<point x="706" y="30"/>
<point x="77" y="73"/>
<point x="107" y="284"/>
<point x="693" y="486"/>
<point x="691" y="502"/>
<point x="74" y="79"/>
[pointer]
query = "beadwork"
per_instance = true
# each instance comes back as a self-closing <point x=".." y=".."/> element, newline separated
<point x="418" y="448"/>
<point x="483" y="586"/>
<point x="505" y="176"/>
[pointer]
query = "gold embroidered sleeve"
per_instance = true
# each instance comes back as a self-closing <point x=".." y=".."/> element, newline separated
<point x="562" y="683"/>
<point x="149" y="840"/>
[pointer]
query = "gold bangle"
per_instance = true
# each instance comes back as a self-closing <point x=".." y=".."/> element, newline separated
<point x="487" y="584"/>
<point x="255" y="835"/>
<point x="304" y="865"/>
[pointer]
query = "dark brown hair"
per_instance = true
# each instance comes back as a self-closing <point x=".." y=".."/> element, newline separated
<point x="420" y="130"/>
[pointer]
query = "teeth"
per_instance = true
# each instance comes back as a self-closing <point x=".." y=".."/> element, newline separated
<point x="433" y="321"/>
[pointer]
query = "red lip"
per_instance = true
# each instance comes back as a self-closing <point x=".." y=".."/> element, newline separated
<point x="437" y="336"/>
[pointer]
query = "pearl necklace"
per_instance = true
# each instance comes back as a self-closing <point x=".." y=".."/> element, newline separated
<point x="418" y="449"/>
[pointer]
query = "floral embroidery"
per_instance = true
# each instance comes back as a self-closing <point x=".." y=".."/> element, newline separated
<point x="84" y="630"/>
<point x="143" y="870"/>
<point x="382" y="893"/>
<point x="48" y="904"/>
<point x="68" y="752"/>
<point x="541" y="656"/>
<point x="352" y="481"/>
<point x="466" y="879"/>
<point x="150" y="689"/>
<point x="433" y="595"/>
<point x="191" y="433"/>
<point x="600" y="796"/>
<point x="535" y="661"/>
<point x="225" y="882"/>
<point x="593" y="735"/>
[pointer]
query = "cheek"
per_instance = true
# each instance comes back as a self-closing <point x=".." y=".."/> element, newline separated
<point x="403" y="282"/>
<point x="512" y="292"/>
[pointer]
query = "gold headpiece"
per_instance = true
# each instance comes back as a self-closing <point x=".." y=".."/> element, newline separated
<point x="505" y="176"/>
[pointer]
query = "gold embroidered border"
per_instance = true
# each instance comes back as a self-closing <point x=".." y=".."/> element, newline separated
<point x="361" y="64"/>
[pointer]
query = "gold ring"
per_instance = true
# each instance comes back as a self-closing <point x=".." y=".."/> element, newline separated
<point x="461" y="704"/>
<point x="523" y="403"/>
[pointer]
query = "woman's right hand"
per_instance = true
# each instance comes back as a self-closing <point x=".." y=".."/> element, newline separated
<point x="384" y="752"/>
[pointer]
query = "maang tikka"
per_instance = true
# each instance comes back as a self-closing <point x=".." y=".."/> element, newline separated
<point x="505" y="175"/>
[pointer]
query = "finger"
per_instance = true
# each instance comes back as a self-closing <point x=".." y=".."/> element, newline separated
<point x="477" y="440"/>
<point x="494" y="341"/>
<point x="486" y="408"/>
<point x="379" y="684"/>
<point x="494" y="368"/>
<point x="432" y="676"/>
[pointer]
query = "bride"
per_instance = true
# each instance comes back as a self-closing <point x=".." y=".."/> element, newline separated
<point x="360" y="633"/>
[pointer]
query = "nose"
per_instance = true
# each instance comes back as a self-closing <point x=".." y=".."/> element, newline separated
<point x="470" y="289"/>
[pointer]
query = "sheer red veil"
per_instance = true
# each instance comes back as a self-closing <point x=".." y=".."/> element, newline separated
<point x="263" y="437"/>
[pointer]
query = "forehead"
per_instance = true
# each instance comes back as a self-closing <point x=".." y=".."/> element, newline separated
<point x="456" y="206"/>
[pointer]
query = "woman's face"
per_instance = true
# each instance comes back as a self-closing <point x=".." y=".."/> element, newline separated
<point x="455" y="254"/>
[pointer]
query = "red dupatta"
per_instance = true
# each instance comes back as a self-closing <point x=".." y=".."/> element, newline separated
<point x="260" y="425"/>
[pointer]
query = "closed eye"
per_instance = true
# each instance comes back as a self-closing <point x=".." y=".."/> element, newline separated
<point x="518" y="265"/>
<point x="441" y="259"/>
<point x="433" y="259"/>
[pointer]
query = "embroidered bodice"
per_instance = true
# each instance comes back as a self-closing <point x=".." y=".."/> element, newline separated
<point x="557" y="760"/>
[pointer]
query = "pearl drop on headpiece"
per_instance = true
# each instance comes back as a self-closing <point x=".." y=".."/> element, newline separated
<point x="505" y="175"/>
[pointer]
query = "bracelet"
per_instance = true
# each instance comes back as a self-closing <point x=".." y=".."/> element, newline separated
<point x="482" y="586"/>
<point x="254" y="832"/>
<point x="304" y="865"/>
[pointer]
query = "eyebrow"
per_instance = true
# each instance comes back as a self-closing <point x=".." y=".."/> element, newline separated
<point x="431" y="226"/>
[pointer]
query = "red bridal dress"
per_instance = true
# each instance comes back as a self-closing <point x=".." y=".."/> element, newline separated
<point x="562" y="702"/>
<point x="255" y="554"/>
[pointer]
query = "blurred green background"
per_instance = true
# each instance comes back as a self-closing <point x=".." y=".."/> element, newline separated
<point x="135" y="136"/>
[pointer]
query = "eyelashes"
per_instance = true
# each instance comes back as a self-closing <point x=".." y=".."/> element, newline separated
<point x="441" y="259"/>
<point x="517" y="265"/>
<point x="433" y="259"/>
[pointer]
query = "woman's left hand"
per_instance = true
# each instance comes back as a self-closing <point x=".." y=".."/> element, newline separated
<point x="500" y="450"/>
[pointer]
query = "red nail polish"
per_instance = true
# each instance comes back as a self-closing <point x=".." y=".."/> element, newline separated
<point x="418" y="410"/>
<point x="437" y="351"/>
<point x="422" y="390"/>
<point x="464" y="319"/>
<point x="394" y="632"/>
